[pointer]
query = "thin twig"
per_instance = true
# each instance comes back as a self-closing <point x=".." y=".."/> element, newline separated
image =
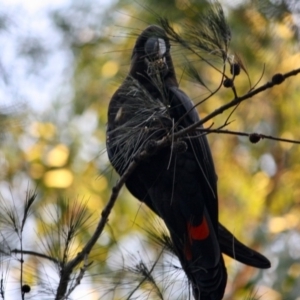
<point x="34" y="253"/>
<point x="240" y="133"/>
<point x="147" y="276"/>
<point x="232" y="103"/>
<point x="78" y="278"/>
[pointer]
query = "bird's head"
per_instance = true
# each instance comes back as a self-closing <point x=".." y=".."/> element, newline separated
<point x="151" y="55"/>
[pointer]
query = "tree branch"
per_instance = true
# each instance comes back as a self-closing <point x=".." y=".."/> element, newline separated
<point x="34" y="253"/>
<point x="257" y="136"/>
<point x="238" y="100"/>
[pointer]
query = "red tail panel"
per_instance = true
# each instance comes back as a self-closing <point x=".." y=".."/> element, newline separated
<point x="199" y="232"/>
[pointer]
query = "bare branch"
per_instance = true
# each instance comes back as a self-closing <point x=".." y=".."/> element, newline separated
<point x="238" y="100"/>
<point x="257" y="136"/>
<point x="34" y="253"/>
<point x="78" y="278"/>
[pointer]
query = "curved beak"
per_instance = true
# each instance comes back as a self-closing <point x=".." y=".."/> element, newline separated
<point x="155" y="48"/>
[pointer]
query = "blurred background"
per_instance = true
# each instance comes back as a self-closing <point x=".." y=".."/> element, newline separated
<point x="60" y="63"/>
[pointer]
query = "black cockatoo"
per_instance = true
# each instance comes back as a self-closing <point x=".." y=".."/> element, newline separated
<point x="178" y="182"/>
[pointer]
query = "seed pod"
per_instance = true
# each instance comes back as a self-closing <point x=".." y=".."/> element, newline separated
<point x="254" y="138"/>
<point x="151" y="147"/>
<point x="227" y="83"/>
<point x="180" y="147"/>
<point x="277" y="78"/>
<point x="235" y="69"/>
<point x="26" y="288"/>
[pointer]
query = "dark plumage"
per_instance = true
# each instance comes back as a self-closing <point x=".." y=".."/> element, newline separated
<point x="178" y="185"/>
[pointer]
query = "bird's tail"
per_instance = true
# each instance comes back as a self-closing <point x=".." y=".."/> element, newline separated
<point x="232" y="247"/>
<point x="200" y="255"/>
